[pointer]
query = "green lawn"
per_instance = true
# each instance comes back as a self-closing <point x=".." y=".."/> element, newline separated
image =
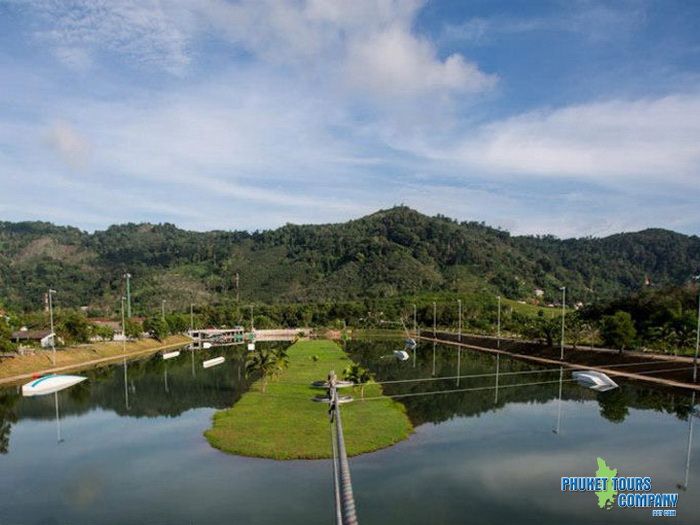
<point x="283" y="423"/>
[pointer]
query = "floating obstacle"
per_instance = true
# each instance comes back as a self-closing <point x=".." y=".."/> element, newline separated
<point x="213" y="362"/>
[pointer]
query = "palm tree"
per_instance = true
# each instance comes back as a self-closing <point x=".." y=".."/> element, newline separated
<point x="268" y="362"/>
<point x="358" y="375"/>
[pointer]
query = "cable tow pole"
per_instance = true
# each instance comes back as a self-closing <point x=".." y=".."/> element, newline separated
<point x="345" y="511"/>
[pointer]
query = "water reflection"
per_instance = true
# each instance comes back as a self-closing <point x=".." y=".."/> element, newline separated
<point x="140" y="388"/>
<point x="486" y="454"/>
<point x="539" y="385"/>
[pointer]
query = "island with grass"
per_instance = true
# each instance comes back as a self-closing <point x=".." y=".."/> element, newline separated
<point x="278" y="418"/>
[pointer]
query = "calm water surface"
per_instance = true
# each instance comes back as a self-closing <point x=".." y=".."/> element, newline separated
<point x="130" y="449"/>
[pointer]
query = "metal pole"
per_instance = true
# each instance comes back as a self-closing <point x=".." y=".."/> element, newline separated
<point x="123" y="328"/>
<point x="191" y="319"/>
<point x="162" y="309"/>
<point x="459" y="321"/>
<point x="415" y="321"/>
<point x="238" y="293"/>
<point x="128" y="295"/>
<point x="498" y="341"/>
<point x="563" y="314"/>
<point x="434" y="343"/>
<point x="347" y="497"/>
<point x="252" y="320"/>
<point x="336" y="479"/>
<point x="697" y="338"/>
<point x="53" y="335"/>
<point x="434" y="319"/>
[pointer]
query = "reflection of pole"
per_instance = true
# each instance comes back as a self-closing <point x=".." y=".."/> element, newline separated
<point x="561" y="377"/>
<point x="126" y="387"/>
<point x="498" y="366"/>
<point x="165" y="376"/>
<point x="58" y="420"/>
<point x="690" y="442"/>
<point x="434" y="343"/>
<point x="498" y="341"/>
<point x="459" y="362"/>
<point x="193" y="374"/>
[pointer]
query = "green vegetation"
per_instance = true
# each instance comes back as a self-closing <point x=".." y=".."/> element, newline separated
<point x="389" y="254"/>
<point x="269" y="363"/>
<point x="75" y="357"/>
<point x="283" y="423"/>
<point x="618" y="330"/>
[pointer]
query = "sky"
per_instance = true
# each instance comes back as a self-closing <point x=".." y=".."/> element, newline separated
<point x="564" y="117"/>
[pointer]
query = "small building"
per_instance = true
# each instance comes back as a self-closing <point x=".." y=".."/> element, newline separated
<point x="41" y="337"/>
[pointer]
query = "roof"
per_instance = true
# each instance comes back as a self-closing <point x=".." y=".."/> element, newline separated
<point x="30" y="335"/>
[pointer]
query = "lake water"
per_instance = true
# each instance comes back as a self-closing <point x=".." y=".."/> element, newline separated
<point x="132" y="451"/>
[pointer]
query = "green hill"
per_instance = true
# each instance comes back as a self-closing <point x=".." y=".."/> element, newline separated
<point x="389" y="253"/>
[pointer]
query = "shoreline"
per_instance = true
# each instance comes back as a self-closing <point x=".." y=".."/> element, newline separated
<point x="76" y="358"/>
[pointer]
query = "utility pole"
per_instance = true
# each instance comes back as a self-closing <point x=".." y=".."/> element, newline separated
<point x="252" y="320"/>
<point x="238" y="291"/>
<point x="162" y="309"/>
<point x="459" y="321"/>
<point x="127" y="276"/>
<point x="563" y="315"/>
<point x="191" y="318"/>
<point x="123" y="328"/>
<point x="498" y="341"/>
<point x="415" y="321"/>
<point x="53" y="335"/>
<point x="434" y="319"/>
<point x="697" y="336"/>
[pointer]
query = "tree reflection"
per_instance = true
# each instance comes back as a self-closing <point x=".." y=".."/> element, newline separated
<point x="8" y="400"/>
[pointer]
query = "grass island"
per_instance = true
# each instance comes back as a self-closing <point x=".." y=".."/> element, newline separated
<point x="284" y="423"/>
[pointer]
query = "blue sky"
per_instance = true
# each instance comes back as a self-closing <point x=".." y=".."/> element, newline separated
<point x="567" y="117"/>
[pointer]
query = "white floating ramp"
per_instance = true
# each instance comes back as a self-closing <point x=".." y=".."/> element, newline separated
<point x="50" y="384"/>
<point x="594" y="380"/>
<point x="213" y="362"/>
<point x="170" y="355"/>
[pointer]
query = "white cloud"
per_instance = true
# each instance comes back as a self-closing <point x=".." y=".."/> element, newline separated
<point x="368" y="45"/>
<point x="73" y="149"/>
<point x="609" y="142"/>
<point x="150" y="32"/>
<point x="393" y="62"/>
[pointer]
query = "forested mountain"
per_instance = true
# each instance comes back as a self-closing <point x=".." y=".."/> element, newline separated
<point x="392" y="252"/>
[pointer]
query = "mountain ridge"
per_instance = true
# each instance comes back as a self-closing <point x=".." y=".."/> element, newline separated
<point x="392" y="252"/>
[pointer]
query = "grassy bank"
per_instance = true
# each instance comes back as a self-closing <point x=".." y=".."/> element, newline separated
<point x="79" y="356"/>
<point x="283" y="423"/>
